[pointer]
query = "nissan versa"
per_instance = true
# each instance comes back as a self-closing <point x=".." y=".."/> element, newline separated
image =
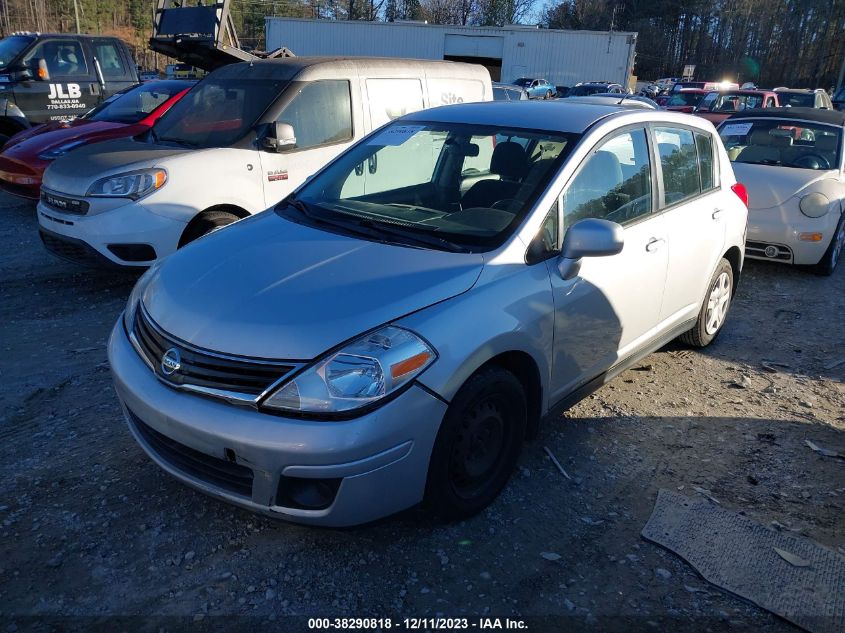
<point x="381" y="339"/>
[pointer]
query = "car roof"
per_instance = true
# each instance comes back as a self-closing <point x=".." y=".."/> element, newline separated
<point x="623" y="101"/>
<point x="289" y="67"/>
<point x="818" y="115"/>
<point x="562" y="115"/>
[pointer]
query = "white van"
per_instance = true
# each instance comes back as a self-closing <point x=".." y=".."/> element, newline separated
<point x="240" y="141"/>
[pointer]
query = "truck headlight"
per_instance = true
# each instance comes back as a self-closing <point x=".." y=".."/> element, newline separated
<point x="364" y="371"/>
<point x="814" y="205"/>
<point x="132" y="184"/>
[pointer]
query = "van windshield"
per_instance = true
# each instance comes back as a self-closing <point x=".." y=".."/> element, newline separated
<point x="11" y="47"/>
<point x="217" y="112"/>
<point x="448" y="186"/>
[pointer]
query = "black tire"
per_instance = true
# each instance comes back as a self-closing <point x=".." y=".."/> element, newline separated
<point x="205" y="223"/>
<point x="706" y="328"/>
<point x="827" y="264"/>
<point x="478" y="444"/>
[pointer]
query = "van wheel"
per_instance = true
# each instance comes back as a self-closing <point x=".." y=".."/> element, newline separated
<point x="205" y="223"/>
<point x="478" y="444"/>
<point x="827" y="264"/>
<point x="715" y="308"/>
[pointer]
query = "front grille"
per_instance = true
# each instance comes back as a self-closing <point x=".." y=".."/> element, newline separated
<point x="758" y="250"/>
<point x="218" y="472"/>
<point x="64" y="204"/>
<point x="205" y="369"/>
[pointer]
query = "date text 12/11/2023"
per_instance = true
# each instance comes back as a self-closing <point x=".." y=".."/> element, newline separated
<point x="416" y="624"/>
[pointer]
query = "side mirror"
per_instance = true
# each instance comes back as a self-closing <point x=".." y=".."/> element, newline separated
<point x="590" y="237"/>
<point x="40" y="67"/>
<point x="280" y="137"/>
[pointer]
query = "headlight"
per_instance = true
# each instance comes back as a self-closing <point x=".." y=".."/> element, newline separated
<point x="814" y="205"/>
<point x="363" y="372"/>
<point x="132" y="184"/>
<point x="135" y="297"/>
<point x="61" y="150"/>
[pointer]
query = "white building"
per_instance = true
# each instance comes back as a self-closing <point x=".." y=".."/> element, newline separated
<point x="562" y="57"/>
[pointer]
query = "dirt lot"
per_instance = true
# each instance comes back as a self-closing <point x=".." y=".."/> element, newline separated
<point x="91" y="529"/>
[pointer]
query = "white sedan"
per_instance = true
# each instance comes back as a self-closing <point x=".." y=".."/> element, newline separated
<point x="791" y="162"/>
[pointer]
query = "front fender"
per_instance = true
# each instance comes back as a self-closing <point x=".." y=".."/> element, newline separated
<point x="510" y="309"/>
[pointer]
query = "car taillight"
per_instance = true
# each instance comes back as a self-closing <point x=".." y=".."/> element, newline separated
<point x="740" y="190"/>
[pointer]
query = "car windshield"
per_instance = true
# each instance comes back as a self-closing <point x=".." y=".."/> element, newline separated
<point x="132" y="105"/>
<point x="448" y="186"/>
<point x="217" y="112"/>
<point x="787" y="143"/>
<point x="731" y="102"/>
<point x="11" y="47"/>
<point x="685" y="99"/>
<point x="797" y="99"/>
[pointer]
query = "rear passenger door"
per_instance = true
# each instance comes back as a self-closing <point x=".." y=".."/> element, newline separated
<point x="116" y="69"/>
<point x="691" y="201"/>
<point x="612" y="307"/>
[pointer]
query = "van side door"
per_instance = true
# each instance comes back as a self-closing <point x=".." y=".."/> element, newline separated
<point x="71" y="88"/>
<point x="321" y="114"/>
<point x="118" y="71"/>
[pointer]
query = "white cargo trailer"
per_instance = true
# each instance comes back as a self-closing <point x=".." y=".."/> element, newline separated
<point x="561" y="57"/>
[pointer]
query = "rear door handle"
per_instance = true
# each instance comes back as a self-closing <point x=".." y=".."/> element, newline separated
<point x="717" y="213"/>
<point x="654" y="244"/>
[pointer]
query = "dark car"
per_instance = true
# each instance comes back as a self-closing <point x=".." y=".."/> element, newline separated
<point x="592" y="88"/>
<point x="133" y="111"/>
<point x="562" y="92"/>
<point x="508" y="92"/>
<point x="56" y="77"/>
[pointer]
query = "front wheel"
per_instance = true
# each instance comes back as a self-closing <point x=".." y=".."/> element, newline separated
<point x="205" y="223"/>
<point x="478" y="444"/>
<point x="715" y="308"/>
<point x="831" y="256"/>
<point x="549" y="94"/>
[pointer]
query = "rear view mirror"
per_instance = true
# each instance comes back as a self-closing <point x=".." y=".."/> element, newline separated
<point x="590" y="237"/>
<point x="280" y="137"/>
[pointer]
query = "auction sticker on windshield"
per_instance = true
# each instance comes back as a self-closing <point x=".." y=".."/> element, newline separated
<point x="395" y="135"/>
<point x="736" y="129"/>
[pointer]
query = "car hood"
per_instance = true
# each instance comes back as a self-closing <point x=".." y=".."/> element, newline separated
<point x="73" y="174"/>
<point x="770" y="185"/>
<point x="269" y="288"/>
<point x="47" y="139"/>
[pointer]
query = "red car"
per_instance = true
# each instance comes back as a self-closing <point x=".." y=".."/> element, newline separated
<point x="27" y="154"/>
<point x="685" y="99"/>
<point x="718" y="106"/>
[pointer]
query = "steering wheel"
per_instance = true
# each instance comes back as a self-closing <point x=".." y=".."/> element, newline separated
<point x="812" y="161"/>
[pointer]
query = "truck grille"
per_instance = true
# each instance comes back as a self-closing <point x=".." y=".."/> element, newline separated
<point x="219" y="472"/>
<point x="199" y="368"/>
<point x="64" y="204"/>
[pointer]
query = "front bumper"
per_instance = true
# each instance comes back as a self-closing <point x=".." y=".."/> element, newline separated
<point x="380" y="459"/>
<point x="779" y="229"/>
<point x="111" y="233"/>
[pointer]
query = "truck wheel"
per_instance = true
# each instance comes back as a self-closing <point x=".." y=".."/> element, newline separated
<point x="205" y="223"/>
<point x="478" y="444"/>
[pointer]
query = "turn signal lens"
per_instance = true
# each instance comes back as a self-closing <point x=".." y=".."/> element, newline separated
<point x="810" y="237"/>
<point x="409" y="365"/>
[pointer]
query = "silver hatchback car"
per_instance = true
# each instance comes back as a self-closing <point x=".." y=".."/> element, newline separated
<point x="393" y="331"/>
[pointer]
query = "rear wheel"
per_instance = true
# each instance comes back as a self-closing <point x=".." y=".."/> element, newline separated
<point x="478" y="444"/>
<point x="715" y="308"/>
<point x="205" y="223"/>
<point x="827" y="264"/>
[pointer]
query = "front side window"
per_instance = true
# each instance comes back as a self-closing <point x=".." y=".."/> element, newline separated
<point x="217" y="112"/>
<point x="679" y="163"/>
<point x="64" y="58"/>
<point x="453" y="186"/>
<point x="320" y="114"/>
<point x="614" y="183"/>
<point x="797" y="144"/>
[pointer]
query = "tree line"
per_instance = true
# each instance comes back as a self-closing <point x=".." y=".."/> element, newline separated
<point x="769" y="42"/>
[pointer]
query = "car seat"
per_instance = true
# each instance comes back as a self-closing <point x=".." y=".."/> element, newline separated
<point x="761" y="147"/>
<point x="510" y="163"/>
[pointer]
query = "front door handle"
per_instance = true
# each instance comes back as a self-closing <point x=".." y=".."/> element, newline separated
<point x="717" y="213"/>
<point x="654" y="244"/>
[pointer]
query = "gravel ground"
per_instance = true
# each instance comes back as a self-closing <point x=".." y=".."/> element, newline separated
<point x="92" y="530"/>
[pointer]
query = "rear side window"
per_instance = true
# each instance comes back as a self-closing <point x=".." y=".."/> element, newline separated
<point x="320" y="114"/>
<point x="614" y="183"/>
<point x="679" y="162"/>
<point x="110" y="60"/>
<point x="704" y="145"/>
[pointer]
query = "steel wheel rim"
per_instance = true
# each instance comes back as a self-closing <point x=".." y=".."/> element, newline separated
<point x="479" y="447"/>
<point x="717" y="304"/>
